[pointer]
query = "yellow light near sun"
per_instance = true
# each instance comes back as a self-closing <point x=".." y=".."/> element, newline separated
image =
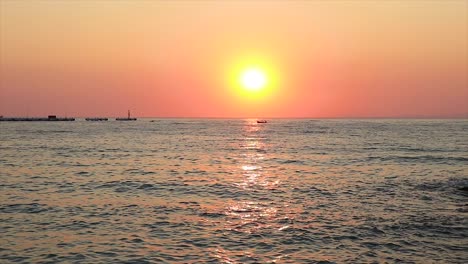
<point x="253" y="78"/>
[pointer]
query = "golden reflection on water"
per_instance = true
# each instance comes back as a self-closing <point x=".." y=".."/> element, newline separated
<point x="255" y="152"/>
<point x="255" y="215"/>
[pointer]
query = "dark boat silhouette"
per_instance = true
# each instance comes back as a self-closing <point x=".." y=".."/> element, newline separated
<point x="261" y="121"/>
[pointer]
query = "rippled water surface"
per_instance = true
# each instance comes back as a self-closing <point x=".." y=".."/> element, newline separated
<point x="234" y="191"/>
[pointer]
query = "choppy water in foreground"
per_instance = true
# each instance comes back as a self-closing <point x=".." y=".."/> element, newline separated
<point x="234" y="191"/>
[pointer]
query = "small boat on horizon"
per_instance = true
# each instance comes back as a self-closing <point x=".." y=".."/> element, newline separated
<point x="261" y="121"/>
<point x="128" y="118"/>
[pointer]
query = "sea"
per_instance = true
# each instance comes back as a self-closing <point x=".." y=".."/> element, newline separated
<point x="234" y="191"/>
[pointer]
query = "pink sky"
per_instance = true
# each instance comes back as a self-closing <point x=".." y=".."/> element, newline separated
<point x="174" y="59"/>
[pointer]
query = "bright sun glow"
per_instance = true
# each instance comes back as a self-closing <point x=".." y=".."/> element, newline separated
<point x="253" y="79"/>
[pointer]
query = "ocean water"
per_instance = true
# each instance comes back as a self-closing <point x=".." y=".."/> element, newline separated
<point x="234" y="191"/>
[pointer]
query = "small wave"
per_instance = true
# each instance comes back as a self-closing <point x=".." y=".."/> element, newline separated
<point x="316" y="132"/>
<point x="423" y="158"/>
<point x="32" y="208"/>
<point x="51" y="131"/>
<point x="146" y="186"/>
<point x="290" y="161"/>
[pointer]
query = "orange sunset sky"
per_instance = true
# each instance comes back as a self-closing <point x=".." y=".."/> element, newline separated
<point x="184" y="58"/>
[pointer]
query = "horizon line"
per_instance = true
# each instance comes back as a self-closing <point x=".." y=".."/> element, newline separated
<point x="262" y="117"/>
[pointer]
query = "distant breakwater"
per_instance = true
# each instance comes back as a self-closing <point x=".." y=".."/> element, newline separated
<point x="55" y="118"/>
<point x="49" y="118"/>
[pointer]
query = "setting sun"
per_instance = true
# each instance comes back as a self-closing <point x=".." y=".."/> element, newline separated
<point x="253" y="79"/>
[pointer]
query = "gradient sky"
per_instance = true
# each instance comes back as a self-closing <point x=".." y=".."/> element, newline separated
<point x="176" y="58"/>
